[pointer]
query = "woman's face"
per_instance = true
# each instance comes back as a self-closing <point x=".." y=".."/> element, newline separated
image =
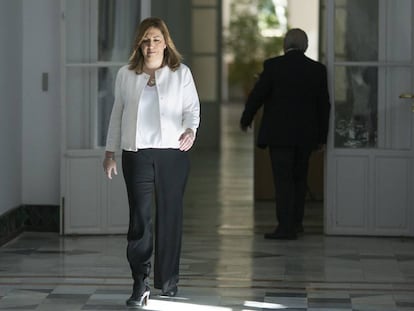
<point x="153" y="44"/>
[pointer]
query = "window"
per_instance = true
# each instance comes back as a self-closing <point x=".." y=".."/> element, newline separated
<point x="97" y="42"/>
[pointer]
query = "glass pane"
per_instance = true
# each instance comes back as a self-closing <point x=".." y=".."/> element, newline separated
<point x="88" y="115"/>
<point x="79" y="112"/>
<point x="106" y="83"/>
<point x="117" y="22"/>
<point x="78" y="35"/>
<point x="356" y="112"/>
<point x="356" y="30"/>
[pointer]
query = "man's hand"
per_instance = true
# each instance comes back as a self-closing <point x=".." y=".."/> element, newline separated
<point x="321" y="148"/>
<point x="244" y="127"/>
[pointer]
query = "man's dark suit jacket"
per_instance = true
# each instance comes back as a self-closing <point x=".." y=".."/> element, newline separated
<point x="293" y="89"/>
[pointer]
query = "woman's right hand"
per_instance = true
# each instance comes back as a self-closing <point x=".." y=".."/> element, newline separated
<point x="109" y="165"/>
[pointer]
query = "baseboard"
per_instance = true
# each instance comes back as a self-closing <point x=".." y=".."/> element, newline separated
<point x="43" y="218"/>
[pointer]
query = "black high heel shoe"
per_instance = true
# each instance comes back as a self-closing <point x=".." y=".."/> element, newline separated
<point x="137" y="300"/>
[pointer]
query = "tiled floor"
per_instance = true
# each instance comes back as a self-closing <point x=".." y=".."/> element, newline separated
<point x="226" y="264"/>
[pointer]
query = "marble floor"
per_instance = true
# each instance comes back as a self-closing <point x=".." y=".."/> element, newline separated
<point x="226" y="264"/>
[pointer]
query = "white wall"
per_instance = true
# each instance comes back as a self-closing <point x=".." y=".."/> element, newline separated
<point x="10" y="103"/>
<point x="29" y="117"/>
<point x="305" y="15"/>
<point x="41" y="110"/>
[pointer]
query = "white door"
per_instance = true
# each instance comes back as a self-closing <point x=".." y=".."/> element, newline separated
<point x="370" y="158"/>
<point x="96" y="40"/>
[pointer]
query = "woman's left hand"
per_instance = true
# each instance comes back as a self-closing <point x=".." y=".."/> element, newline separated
<point x="186" y="140"/>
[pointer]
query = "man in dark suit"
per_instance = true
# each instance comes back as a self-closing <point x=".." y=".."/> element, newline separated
<point x="293" y="91"/>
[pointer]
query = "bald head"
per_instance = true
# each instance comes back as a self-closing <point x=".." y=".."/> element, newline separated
<point x="295" y="39"/>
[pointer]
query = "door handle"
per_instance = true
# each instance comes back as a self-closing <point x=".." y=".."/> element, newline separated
<point x="408" y="96"/>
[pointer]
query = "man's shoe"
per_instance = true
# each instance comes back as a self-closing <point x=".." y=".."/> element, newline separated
<point x="172" y="292"/>
<point x="280" y="236"/>
<point x="299" y="228"/>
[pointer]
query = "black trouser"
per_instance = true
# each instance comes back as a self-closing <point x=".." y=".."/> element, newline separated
<point x="167" y="170"/>
<point x="290" y="171"/>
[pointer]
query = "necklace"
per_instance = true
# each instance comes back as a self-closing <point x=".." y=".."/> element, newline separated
<point x="151" y="82"/>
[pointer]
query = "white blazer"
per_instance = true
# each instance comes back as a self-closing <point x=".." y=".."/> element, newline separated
<point x="178" y="100"/>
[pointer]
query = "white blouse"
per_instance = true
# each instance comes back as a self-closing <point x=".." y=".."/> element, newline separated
<point x="148" y="126"/>
<point x="178" y="102"/>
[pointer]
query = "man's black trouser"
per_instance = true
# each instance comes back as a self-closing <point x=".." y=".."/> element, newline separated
<point x="290" y="171"/>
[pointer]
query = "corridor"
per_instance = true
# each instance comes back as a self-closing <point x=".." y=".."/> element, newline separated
<point x="226" y="264"/>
